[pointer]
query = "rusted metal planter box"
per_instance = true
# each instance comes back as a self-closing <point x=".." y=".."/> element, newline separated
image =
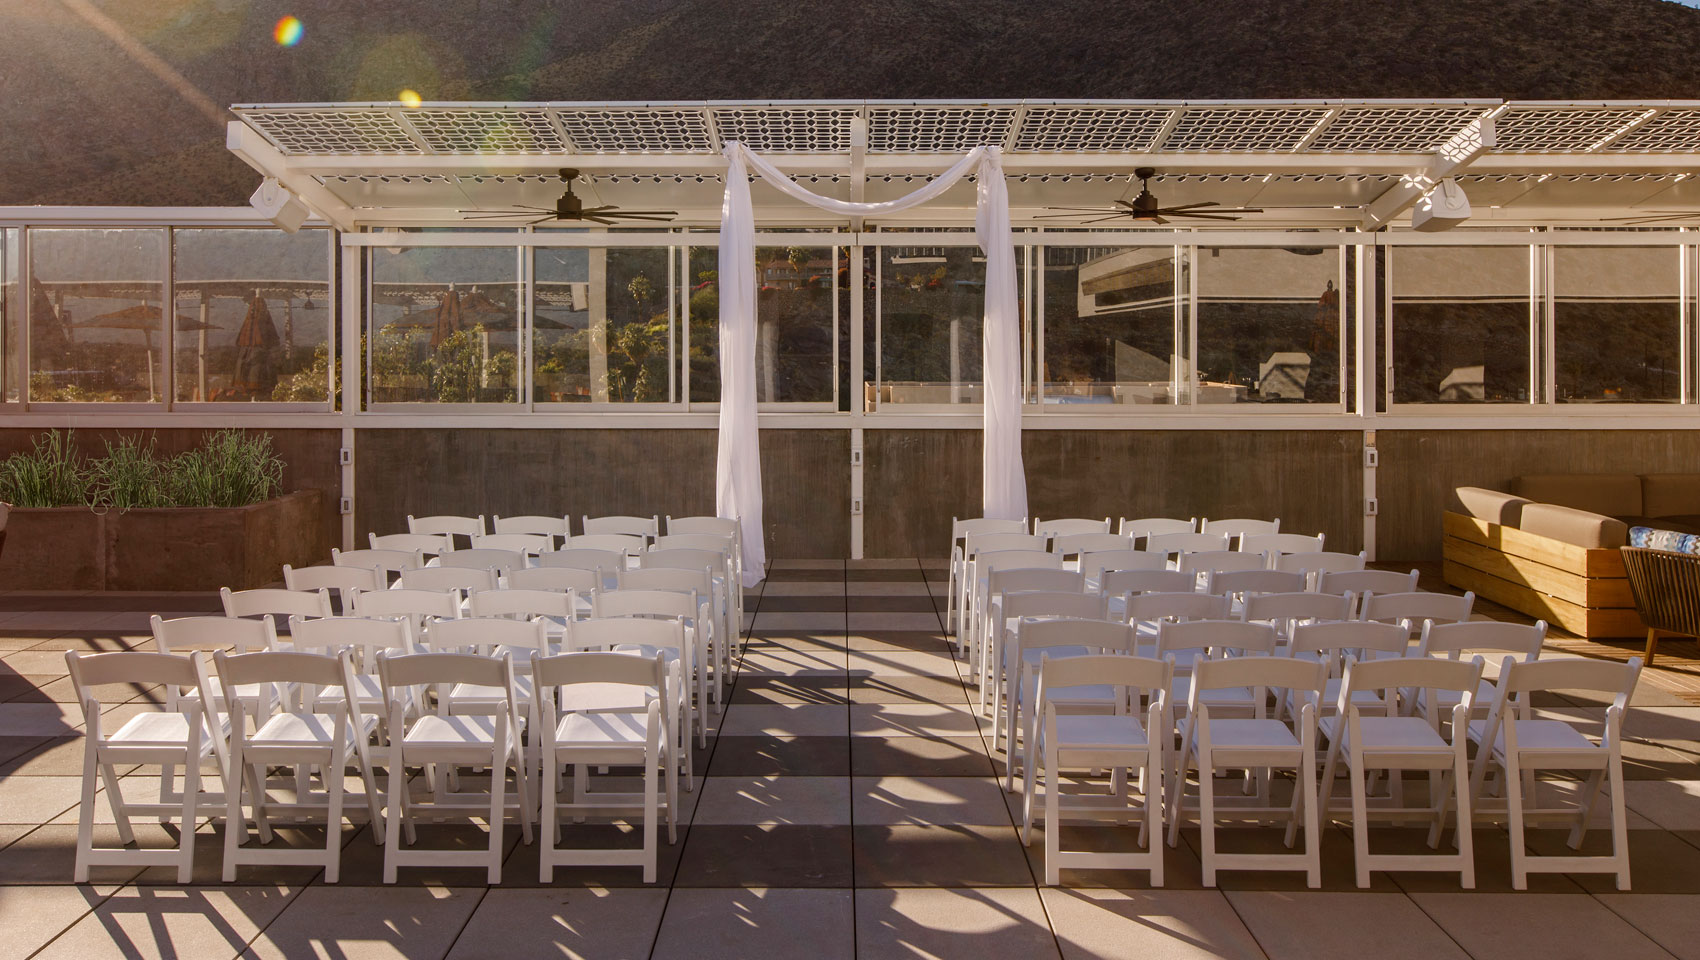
<point x="163" y="549"/>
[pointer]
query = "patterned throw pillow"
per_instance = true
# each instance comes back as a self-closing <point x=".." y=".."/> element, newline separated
<point x="1664" y="540"/>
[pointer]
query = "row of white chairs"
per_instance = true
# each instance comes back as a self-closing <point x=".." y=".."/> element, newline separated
<point x="1126" y="526"/>
<point x="485" y="694"/>
<point x="1219" y="691"/>
<point x="561" y="526"/>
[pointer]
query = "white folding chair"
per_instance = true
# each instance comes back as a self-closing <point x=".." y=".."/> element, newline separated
<point x="1415" y="608"/>
<point x="1118" y="742"/>
<point x="721" y="526"/>
<point x="522" y="640"/>
<point x="643" y="637"/>
<point x="477" y="740"/>
<point x="1360" y="582"/>
<point x="644" y="528"/>
<point x="1245" y="584"/>
<point x="581" y="739"/>
<point x="1395" y="743"/>
<point x="960" y="530"/>
<point x="1281" y="544"/>
<point x="715" y="555"/>
<point x="559" y="579"/>
<point x="1258" y="742"/>
<point x="981" y="566"/>
<point x="1330" y="644"/>
<point x="1284" y="610"/>
<point x="1079" y="544"/>
<point x="520" y="604"/>
<point x="1514" y="740"/>
<point x="1312" y="564"/>
<point x="414" y="606"/>
<point x="1146" y="612"/>
<point x="1186" y="643"/>
<point x="1203" y="563"/>
<point x="1095" y="563"/>
<point x="1240" y="527"/>
<point x="692" y="613"/>
<point x="555" y="528"/>
<point x="447" y="525"/>
<point x="1032" y="641"/>
<point x="1117" y="586"/>
<point x="1070" y="526"/>
<point x="384" y="561"/>
<point x="527" y="544"/>
<point x="503" y="562"/>
<point x="1451" y="640"/>
<point x="273" y="602"/>
<point x="1186" y="542"/>
<point x="209" y="634"/>
<point x="605" y="562"/>
<point x="343" y="579"/>
<point x="445" y="579"/>
<point x="366" y="639"/>
<point x="972" y="546"/>
<point x="301" y="739"/>
<point x="429" y="544"/>
<point x="1008" y="610"/>
<point x="189" y="737"/>
<point x="618" y="543"/>
<point x="1148" y="527"/>
<point x="693" y="580"/>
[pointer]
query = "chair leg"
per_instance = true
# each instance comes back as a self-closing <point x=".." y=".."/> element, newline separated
<point x="261" y="823"/>
<point x="333" y="814"/>
<point x="1619" y="824"/>
<point x="191" y="797"/>
<point x="1053" y="818"/>
<point x="1585" y="811"/>
<point x="549" y="826"/>
<point x="1360" y="823"/>
<point x="1513" y="781"/>
<point x="1029" y="787"/>
<point x="392" y="822"/>
<point x="1652" y="645"/>
<point x="1313" y="831"/>
<point x="1206" y="817"/>
<point x="498" y="818"/>
<point x="1466" y="833"/>
<point x="115" y="800"/>
<point x="85" y="813"/>
<point x="651" y="765"/>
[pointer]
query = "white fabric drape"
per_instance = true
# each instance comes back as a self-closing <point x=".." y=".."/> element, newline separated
<point x="738" y="479"/>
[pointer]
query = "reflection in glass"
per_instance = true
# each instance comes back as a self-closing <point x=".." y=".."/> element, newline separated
<point x="96" y="327"/>
<point x="444" y="325"/>
<point x="1618" y="323"/>
<point x="1269" y="325"/>
<point x="931" y="301"/>
<point x="11" y="313"/>
<point x="603" y="326"/>
<point x="257" y="306"/>
<point x="1460" y="324"/>
<point x="1109" y="325"/>
<point x="795" y="323"/>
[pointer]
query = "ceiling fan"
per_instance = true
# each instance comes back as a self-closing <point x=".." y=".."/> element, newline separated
<point x="568" y="207"/>
<point x="1145" y="206"/>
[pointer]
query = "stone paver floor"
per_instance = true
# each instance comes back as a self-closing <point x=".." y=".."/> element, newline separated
<point x="848" y="806"/>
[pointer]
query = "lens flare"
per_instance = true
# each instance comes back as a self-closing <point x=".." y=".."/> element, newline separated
<point x="409" y="99"/>
<point x="288" y="31"/>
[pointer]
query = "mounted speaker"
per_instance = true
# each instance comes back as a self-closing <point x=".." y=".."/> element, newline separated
<point x="1442" y="208"/>
<point x="277" y="204"/>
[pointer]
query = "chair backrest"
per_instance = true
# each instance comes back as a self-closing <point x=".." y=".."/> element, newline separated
<point x="1096" y="562"/>
<point x="1100" y="635"/>
<point x="414" y="604"/>
<point x="642" y="527"/>
<point x="1046" y="603"/>
<point x="988" y="563"/>
<point x="484" y="634"/>
<point x="1133" y="677"/>
<point x="998" y="542"/>
<point x="1298" y="606"/>
<point x="272" y="602"/>
<point x="1452" y="639"/>
<point x="645" y="603"/>
<point x="1249" y="583"/>
<point x="552" y="674"/>
<point x="1258" y="673"/>
<point x="1219" y="637"/>
<point x="430" y="544"/>
<point x="1016" y="579"/>
<point x="533" y="523"/>
<point x="1332" y="641"/>
<point x="1361" y="582"/>
<point x="1222" y="561"/>
<point x="441" y="579"/>
<point x="583" y="558"/>
<point x="1155" y="526"/>
<point x="484" y="558"/>
<point x="1148" y="607"/>
<point x="1115" y="583"/>
<point x="611" y="632"/>
<point x="447" y="525"/>
<point x="179" y="675"/>
<point x="532" y="543"/>
<point x="558" y="579"/>
<point x="315" y="671"/>
<point x="619" y="543"/>
<point x="1659" y="584"/>
<point x="672" y="579"/>
<point x="1083" y="543"/>
<point x="1185" y="542"/>
<point x="388" y="561"/>
<point x="722" y="526"/>
<point x="514" y="603"/>
<point x="683" y="558"/>
<point x="343" y="579"/>
<point x="417" y="670"/>
<point x="369" y="637"/>
<point x="1421" y="676"/>
<point x="1320" y="562"/>
<point x="1240" y="527"/>
<point x="1070" y="526"/>
<point x="1279" y="544"/>
<point x="1572" y="673"/>
<point x="976" y="526"/>
<point x="1416" y="607"/>
<point x="719" y="543"/>
<point x="183" y="634"/>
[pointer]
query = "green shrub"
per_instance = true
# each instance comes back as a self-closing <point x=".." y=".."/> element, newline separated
<point x="229" y="469"/>
<point x="51" y="475"/>
<point x="130" y="475"/>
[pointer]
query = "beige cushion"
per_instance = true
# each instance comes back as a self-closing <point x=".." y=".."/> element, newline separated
<point x="1491" y="505"/>
<point x="1611" y="494"/>
<point x="1670" y="494"/>
<point x="1579" y="527"/>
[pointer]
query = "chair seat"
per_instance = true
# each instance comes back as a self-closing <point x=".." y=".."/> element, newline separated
<point x="1362" y="699"/>
<point x="623" y="728"/>
<point x="1217" y="697"/>
<point x="244" y="691"/>
<point x="606" y="697"/>
<point x="1251" y="733"/>
<point x="451" y="731"/>
<point x="1553" y="737"/>
<point x="669" y="654"/>
<point x="1077" y="731"/>
<point x="301" y="729"/>
<point x="163" y="729"/>
<point x="1389" y="734"/>
<point x="1451" y="698"/>
<point x="467" y="693"/>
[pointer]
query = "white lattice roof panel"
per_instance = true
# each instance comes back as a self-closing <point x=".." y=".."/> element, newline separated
<point x="787" y="129"/>
<point x="949" y="128"/>
<point x="637" y="130"/>
<point x="319" y="131"/>
<point x="1670" y="131"/>
<point x="1242" y="129"/>
<point x="1547" y="129"/>
<point x="1375" y="129"/>
<point x="483" y="131"/>
<point x="1084" y="129"/>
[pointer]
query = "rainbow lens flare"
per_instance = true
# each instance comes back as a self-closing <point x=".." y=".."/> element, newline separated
<point x="288" y="31"/>
<point x="409" y="99"/>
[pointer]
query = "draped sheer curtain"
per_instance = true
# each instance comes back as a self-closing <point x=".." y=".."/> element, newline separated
<point x="738" y="466"/>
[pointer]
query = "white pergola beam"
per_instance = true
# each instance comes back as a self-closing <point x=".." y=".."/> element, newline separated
<point x="1454" y="156"/>
<point x="257" y="152"/>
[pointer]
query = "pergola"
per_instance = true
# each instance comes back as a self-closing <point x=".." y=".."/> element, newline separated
<point x="1323" y="163"/>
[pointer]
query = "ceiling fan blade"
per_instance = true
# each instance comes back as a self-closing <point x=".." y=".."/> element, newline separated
<point x="1204" y="216"/>
<point x="617" y="212"/>
<point x="1158" y="218"/>
<point x="498" y="216"/>
<point x="515" y="209"/>
<point x="641" y="217"/>
<point x="533" y="223"/>
<point x="1085" y="209"/>
<point x="1077" y="216"/>
<point x="1193" y="206"/>
<point x="601" y="220"/>
<point x="1113" y="216"/>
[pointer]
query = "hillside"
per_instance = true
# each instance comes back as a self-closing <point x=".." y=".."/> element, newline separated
<point x="83" y="122"/>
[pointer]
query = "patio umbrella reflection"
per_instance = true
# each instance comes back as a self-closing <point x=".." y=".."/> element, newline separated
<point x="449" y="320"/>
<point x="144" y="317"/>
<point x="256" y="350"/>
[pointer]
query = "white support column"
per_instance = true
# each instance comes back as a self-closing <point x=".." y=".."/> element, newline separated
<point x="598" y="324"/>
<point x="350" y="323"/>
<point x="1368" y="316"/>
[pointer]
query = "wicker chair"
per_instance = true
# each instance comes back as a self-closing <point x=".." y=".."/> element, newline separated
<point x="1666" y="587"/>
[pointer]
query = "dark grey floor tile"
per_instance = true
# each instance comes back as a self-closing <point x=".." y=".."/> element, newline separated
<point x="767" y="855"/>
<point x="899" y="689"/>
<point x="929" y="856"/>
<point x="768" y="688"/>
<point x="919" y="757"/>
<point x="363" y="860"/>
<point x="520" y="868"/>
<point x="778" y="756"/>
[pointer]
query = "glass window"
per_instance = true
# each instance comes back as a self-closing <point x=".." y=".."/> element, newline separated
<point x="1460" y="320"/>
<point x="96" y="327"/>
<point x="11" y="313"/>
<point x="796" y="322"/>
<point x="931" y="301"/>
<point x="254" y="309"/>
<point x="604" y="328"/>
<point x="1617" y="321"/>
<point x="1269" y="324"/>
<point x="444" y="325"/>
<point x="1109" y="325"/>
